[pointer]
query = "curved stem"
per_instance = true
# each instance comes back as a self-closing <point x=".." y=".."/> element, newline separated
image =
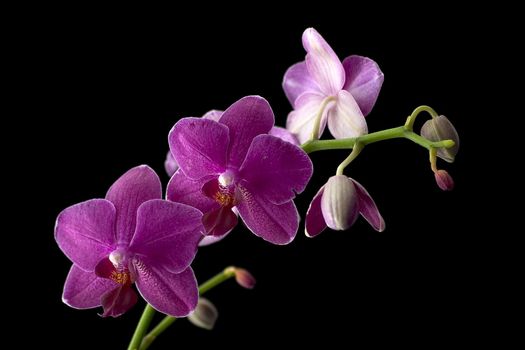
<point x="317" y="123"/>
<point x="358" y="147"/>
<point x="225" y="275"/>
<point x="142" y="327"/>
<point x="412" y="118"/>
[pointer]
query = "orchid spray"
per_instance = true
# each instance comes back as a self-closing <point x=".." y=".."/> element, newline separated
<point x="226" y="167"/>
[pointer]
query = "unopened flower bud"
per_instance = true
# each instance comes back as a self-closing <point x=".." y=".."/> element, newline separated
<point x="205" y="314"/>
<point x="243" y="277"/>
<point x="339" y="204"/>
<point x="444" y="180"/>
<point x="439" y="129"/>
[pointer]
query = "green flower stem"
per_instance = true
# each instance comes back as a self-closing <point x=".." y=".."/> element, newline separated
<point x="412" y="118"/>
<point x="394" y="133"/>
<point x="433" y="160"/>
<point x="142" y="327"/>
<point x="358" y="143"/>
<point x="221" y="277"/>
<point x="353" y="155"/>
<point x="161" y="327"/>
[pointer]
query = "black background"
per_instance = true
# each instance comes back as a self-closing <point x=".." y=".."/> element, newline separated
<point x="105" y="91"/>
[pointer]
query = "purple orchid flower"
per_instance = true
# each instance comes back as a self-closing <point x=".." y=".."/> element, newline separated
<point x="338" y="204"/>
<point x="341" y="94"/>
<point x="131" y="236"/>
<point x="171" y="166"/>
<point x="235" y="165"/>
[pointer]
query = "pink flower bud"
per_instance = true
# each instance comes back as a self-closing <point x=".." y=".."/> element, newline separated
<point x="244" y="278"/>
<point x="444" y="180"/>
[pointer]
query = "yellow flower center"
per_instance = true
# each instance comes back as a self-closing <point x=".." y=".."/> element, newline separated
<point x="120" y="277"/>
<point x="224" y="198"/>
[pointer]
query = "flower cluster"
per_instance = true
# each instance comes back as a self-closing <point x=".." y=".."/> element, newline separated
<point x="230" y="166"/>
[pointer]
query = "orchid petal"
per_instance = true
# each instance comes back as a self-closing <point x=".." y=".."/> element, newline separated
<point x="85" y="232"/>
<point x="345" y="119"/>
<point x="297" y="81"/>
<point x="199" y="146"/>
<point x="246" y="118"/>
<point x="315" y="223"/>
<point x="172" y="294"/>
<point x="135" y="187"/>
<point x="284" y="135"/>
<point x="168" y="233"/>
<point x="170" y="164"/>
<point x="184" y="190"/>
<point x="208" y="240"/>
<point x="363" y="80"/>
<point x="323" y="64"/>
<point x="301" y="121"/>
<point x="275" y="169"/>
<point x="83" y="290"/>
<point x="214" y="115"/>
<point x="368" y="208"/>
<point x="274" y="223"/>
